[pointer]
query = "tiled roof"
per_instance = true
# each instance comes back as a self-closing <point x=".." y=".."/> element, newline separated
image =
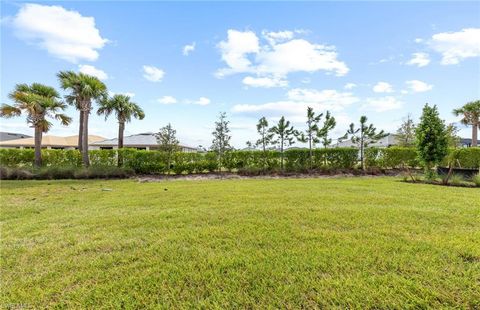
<point x="70" y="141"/>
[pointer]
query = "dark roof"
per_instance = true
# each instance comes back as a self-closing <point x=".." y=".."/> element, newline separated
<point x="467" y="141"/>
<point x="6" y="136"/>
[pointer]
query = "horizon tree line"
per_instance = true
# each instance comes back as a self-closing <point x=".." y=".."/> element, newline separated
<point x="39" y="102"/>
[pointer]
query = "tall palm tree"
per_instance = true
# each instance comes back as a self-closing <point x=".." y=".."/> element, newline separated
<point x="83" y="89"/>
<point x="471" y="116"/>
<point x="37" y="101"/>
<point x="124" y="110"/>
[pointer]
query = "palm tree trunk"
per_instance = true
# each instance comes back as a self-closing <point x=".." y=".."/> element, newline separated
<point x="85" y="159"/>
<point x="121" y="129"/>
<point x="80" y="132"/>
<point x="38" y="147"/>
<point x="474" y="134"/>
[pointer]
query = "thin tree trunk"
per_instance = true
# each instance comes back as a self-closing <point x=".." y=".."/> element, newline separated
<point x="80" y="132"/>
<point x="85" y="159"/>
<point x="474" y="134"/>
<point x="38" y="147"/>
<point x="281" y="152"/>
<point x="121" y="129"/>
<point x="310" y="152"/>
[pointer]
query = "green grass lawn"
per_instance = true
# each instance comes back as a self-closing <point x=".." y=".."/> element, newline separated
<point x="312" y="243"/>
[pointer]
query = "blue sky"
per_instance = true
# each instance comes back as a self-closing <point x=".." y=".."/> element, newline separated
<point x="185" y="62"/>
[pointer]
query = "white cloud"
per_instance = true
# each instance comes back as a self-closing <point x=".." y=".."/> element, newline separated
<point x="277" y="37"/>
<point x="283" y="54"/>
<point x="383" y="87"/>
<point x="417" y="86"/>
<point x="235" y="49"/>
<point x="91" y="70"/>
<point x="297" y="102"/>
<point x="457" y="46"/>
<point x="167" y="100"/>
<point x="187" y="49"/>
<point x="418" y="40"/>
<point x="383" y="104"/>
<point x="265" y="82"/>
<point x="350" y="86"/>
<point x="419" y="60"/>
<point x="202" y="101"/>
<point x="65" y="34"/>
<point x="153" y="74"/>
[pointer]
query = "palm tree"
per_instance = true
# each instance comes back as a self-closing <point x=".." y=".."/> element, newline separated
<point x="471" y="116"/>
<point x="83" y="89"/>
<point x="124" y="110"/>
<point x="37" y="101"/>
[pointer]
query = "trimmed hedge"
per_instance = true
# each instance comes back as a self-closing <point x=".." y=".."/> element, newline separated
<point x="295" y="160"/>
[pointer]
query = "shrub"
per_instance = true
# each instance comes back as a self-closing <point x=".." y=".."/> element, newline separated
<point x="101" y="172"/>
<point x="17" y="157"/>
<point x="476" y="179"/>
<point x="456" y="179"/>
<point x="55" y="172"/>
<point x="15" y="174"/>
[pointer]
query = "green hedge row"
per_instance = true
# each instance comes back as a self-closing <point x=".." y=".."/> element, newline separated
<point x="295" y="160"/>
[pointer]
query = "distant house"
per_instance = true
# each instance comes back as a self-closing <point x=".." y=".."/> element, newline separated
<point x="391" y="140"/>
<point x="467" y="142"/>
<point x="387" y="141"/>
<point x="142" y="141"/>
<point x="48" y="142"/>
<point x="5" y="136"/>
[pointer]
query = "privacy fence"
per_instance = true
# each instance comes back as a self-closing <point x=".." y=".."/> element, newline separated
<point x="295" y="160"/>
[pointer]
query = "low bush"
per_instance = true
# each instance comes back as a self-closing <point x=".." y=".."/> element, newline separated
<point x="103" y="172"/>
<point x="54" y="173"/>
<point x="476" y="179"/>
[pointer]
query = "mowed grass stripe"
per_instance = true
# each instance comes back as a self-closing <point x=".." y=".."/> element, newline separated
<point x="288" y="243"/>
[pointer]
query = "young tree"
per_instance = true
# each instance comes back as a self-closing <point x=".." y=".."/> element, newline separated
<point x="38" y="102"/>
<point x="310" y="134"/>
<point x="452" y="135"/>
<point x="265" y="135"/>
<point x="328" y="124"/>
<point x="168" y="143"/>
<point x="265" y="138"/>
<point x="406" y="132"/>
<point x="363" y="136"/>
<point x="221" y="137"/>
<point x="285" y="135"/>
<point x="83" y="89"/>
<point x="431" y="139"/>
<point x="471" y="116"/>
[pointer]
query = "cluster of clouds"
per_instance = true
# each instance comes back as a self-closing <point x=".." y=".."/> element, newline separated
<point x="412" y="86"/>
<point x="68" y="35"/>
<point x="202" y="101"/>
<point x="266" y="60"/>
<point x="453" y="47"/>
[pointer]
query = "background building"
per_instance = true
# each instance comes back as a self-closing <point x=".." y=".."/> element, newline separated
<point x="142" y="141"/>
<point x="49" y="142"/>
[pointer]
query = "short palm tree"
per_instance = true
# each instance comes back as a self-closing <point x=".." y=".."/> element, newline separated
<point x="83" y="89"/>
<point x="471" y="116"/>
<point x="124" y="110"/>
<point x="38" y="102"/>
